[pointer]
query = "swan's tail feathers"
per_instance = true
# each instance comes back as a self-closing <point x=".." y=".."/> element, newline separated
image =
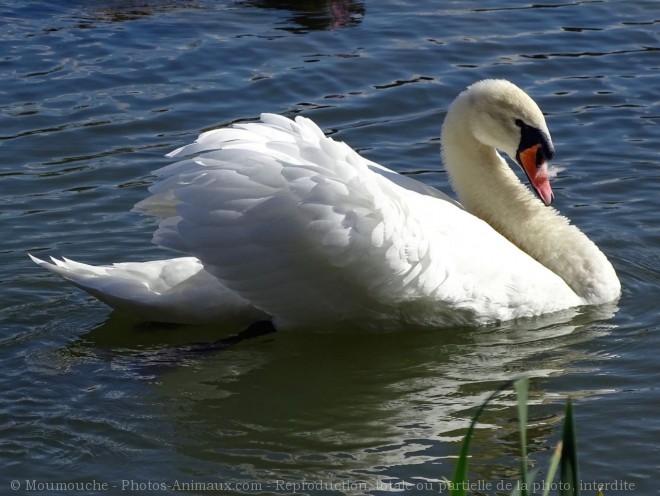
<point x="178" y="290"/>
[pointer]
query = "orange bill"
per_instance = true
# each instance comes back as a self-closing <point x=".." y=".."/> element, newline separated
<point x="537" y="172"/>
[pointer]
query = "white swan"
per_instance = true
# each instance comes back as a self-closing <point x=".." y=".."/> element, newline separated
<point x="285" y="224"/>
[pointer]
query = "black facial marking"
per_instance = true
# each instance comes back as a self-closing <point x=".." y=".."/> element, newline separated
<point x="530" y="136"/>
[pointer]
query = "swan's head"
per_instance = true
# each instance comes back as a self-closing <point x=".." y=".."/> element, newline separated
<point x="505" y="117"/>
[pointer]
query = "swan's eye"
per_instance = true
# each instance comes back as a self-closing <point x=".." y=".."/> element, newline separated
<point x="531" y="136"/>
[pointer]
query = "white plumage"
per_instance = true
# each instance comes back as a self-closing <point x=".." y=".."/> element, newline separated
<point x="282" y="223"/>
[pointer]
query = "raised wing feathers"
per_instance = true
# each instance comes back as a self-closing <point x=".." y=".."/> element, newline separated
<point x="296" y="223"/>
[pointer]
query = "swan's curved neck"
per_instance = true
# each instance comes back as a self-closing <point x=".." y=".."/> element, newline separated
<point x="489" y="189"/>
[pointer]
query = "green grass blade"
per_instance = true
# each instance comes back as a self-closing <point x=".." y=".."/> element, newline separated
<point x="570" y="484"/>
<point x="554" y="465"/>
<point x="459" y="482"/>
<point x="522" y="388"/>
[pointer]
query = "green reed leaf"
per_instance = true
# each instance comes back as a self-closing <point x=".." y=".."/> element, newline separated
<point x="569" y="482"/>
<point x="460" y="482"/>
<point x="522" y="388"/>
<point x="554" y="465"/>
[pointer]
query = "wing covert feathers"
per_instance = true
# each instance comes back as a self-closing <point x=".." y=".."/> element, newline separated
<point x="282" y="214"/>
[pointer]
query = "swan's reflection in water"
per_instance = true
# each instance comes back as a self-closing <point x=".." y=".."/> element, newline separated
<point x="315" y="15"/>
<point x="303" y="16"/>
<point x="355" y="406"/>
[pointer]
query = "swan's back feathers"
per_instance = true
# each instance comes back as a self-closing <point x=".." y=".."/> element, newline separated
<point x="308" y="231"/>
<point x="282" y="215"/>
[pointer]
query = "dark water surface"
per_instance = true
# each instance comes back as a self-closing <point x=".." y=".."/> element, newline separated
<point x="94" y="93"/>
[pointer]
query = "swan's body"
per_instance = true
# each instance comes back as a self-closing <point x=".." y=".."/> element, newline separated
<point x="280" y="222"/>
